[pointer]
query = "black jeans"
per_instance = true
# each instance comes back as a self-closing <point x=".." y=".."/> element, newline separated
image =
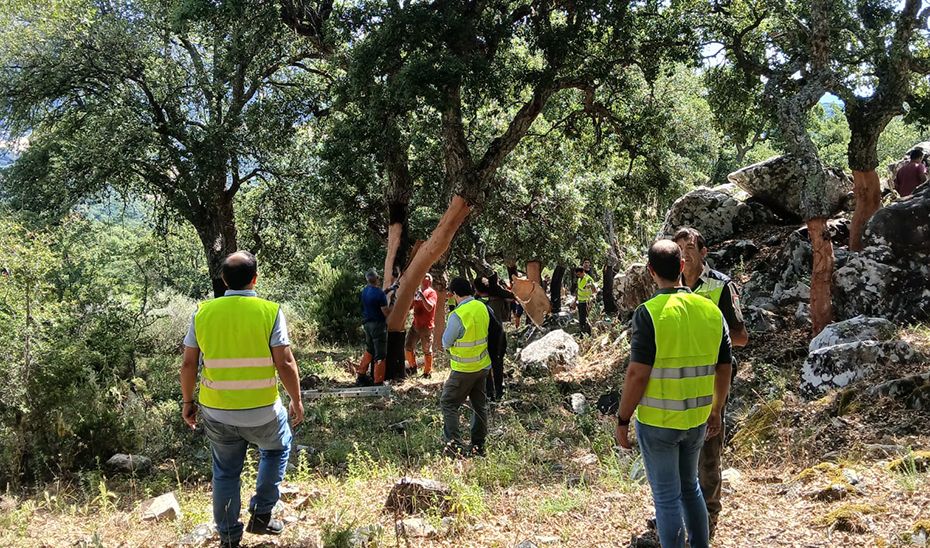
<point x="583" y="318"/>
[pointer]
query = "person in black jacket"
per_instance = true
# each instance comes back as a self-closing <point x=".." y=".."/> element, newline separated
<point x="497" y="342"/>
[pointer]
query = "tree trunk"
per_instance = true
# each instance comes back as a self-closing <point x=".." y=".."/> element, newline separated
<point x="822" y="275"/>
<point x="534" y="271"/>
<point x="555" y="288"/>
<point x="217" y="232"/>
<point x="429" y="253"/>
<point x="610" y="305"/>
<point x="867" y="189"/>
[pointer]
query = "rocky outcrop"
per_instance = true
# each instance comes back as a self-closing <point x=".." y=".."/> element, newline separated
<point x="904" y="225"/>
<point x="865" y="286"/>
<point x="555" y="352"/>
<point x="632" y="288"/>
<point x="717" y="215"/>
<point x="860" y="328"/>
<point x="839" y="365"/>
<point x="777" y="184"/>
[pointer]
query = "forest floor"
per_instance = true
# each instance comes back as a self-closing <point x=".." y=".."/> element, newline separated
<point x="550" y="476"/>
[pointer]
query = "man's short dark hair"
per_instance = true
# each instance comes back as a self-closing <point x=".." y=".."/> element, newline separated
<point x="239" y="269"/>
<point x="461" y="287"/>
<point x="917" y="154"/>
<point x="579" y="269"/>
<point x="690" y="234"/>
<point x="665" y="260"/>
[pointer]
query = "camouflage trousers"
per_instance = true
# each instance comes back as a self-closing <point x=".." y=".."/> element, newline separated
<point x="709" y="475"/>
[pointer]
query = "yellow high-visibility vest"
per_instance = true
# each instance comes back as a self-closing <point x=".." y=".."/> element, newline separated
<point x="584" y="291"/>
<point x="688" y="331"/>
<point x="470" y="352"/>
<point x="233" y="334"/>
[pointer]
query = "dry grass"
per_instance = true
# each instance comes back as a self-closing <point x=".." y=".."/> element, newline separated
<point x="550" y="476"/>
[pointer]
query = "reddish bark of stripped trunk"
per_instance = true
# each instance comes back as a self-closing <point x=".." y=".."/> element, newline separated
<point x="867" y="189"/>
<point x="395" y="233"/>
<point x="429" y="253"/>
<point x="822" y="276"/>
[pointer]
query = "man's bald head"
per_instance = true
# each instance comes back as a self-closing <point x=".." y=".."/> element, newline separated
<point x="239" y="270"/>
<point x="665" y="260"/>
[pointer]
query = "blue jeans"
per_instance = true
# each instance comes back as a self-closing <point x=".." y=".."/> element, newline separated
<point x="229" y="447"/>
<point x="671" y="457"/>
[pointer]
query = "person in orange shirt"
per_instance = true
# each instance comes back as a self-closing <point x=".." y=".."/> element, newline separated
<point x="424" y="314"/>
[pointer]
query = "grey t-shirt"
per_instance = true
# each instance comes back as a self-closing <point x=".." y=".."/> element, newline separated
<point x="244" y="417"/>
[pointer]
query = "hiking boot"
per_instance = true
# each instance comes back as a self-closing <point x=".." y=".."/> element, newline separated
<point x="264" y="524"/>
<point x="410" y="371"/>
<point x="229" y="543"/>
<point x="363" y="380"/>
<point x="426" y="376"/>
<point x="476" y="450"/>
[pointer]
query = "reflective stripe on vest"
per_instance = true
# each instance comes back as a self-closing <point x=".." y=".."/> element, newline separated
<point x="470" y="352"/>
<point x="584" y="292"/>
<point x="688" y="331"/>
<point x="233" y="334"/>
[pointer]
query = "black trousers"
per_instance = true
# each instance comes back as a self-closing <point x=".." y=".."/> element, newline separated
<point x="583" y="318"/>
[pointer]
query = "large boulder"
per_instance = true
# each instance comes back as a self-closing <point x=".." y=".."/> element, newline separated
<point x="717" y="215"/>
<point x="555" y="352"/>
<point x="904" y="225"/>
<point x="776" y="183"/>
<point x="632" y="288"/>
<point x="865" y="286"/>
<point x="860" y="328"/>
<point x="839" y="365"/>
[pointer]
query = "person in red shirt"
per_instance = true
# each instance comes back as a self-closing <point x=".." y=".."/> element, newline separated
<point x="912" y="175"/>
<point x="424" y="313"/>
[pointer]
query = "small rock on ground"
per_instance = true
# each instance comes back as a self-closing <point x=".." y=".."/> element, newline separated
<point x="164" y="507"/>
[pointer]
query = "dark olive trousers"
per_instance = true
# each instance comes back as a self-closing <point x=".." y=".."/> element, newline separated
<point x="459" y="387"/>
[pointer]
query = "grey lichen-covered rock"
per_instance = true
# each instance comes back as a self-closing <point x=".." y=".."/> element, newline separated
<point x="759" y="320"/>
<point x="904" y="225"/>
<point x="164" y="507"/>
<point x="913" y="391"/>
<point x="717" y="215"/>
<point x="578" y="403"/>
<point x="776" y="182"/>
<point x="799" y="293"/>
<point x="633" y="287"/>
<point x="555" y="352"/>
<point x="837" y="366"/>
<point x="865" y="286"/>
<point x="860" y="328"/>
<point x="127" y="463"/>
<point x="413" y="495"/>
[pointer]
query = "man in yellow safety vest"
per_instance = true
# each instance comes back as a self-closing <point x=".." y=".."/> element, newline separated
<point x="243" y="342"/>
<point x="677" y="382"/>
<point x="466" y="340"/>
<point x="586" y="291"/>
